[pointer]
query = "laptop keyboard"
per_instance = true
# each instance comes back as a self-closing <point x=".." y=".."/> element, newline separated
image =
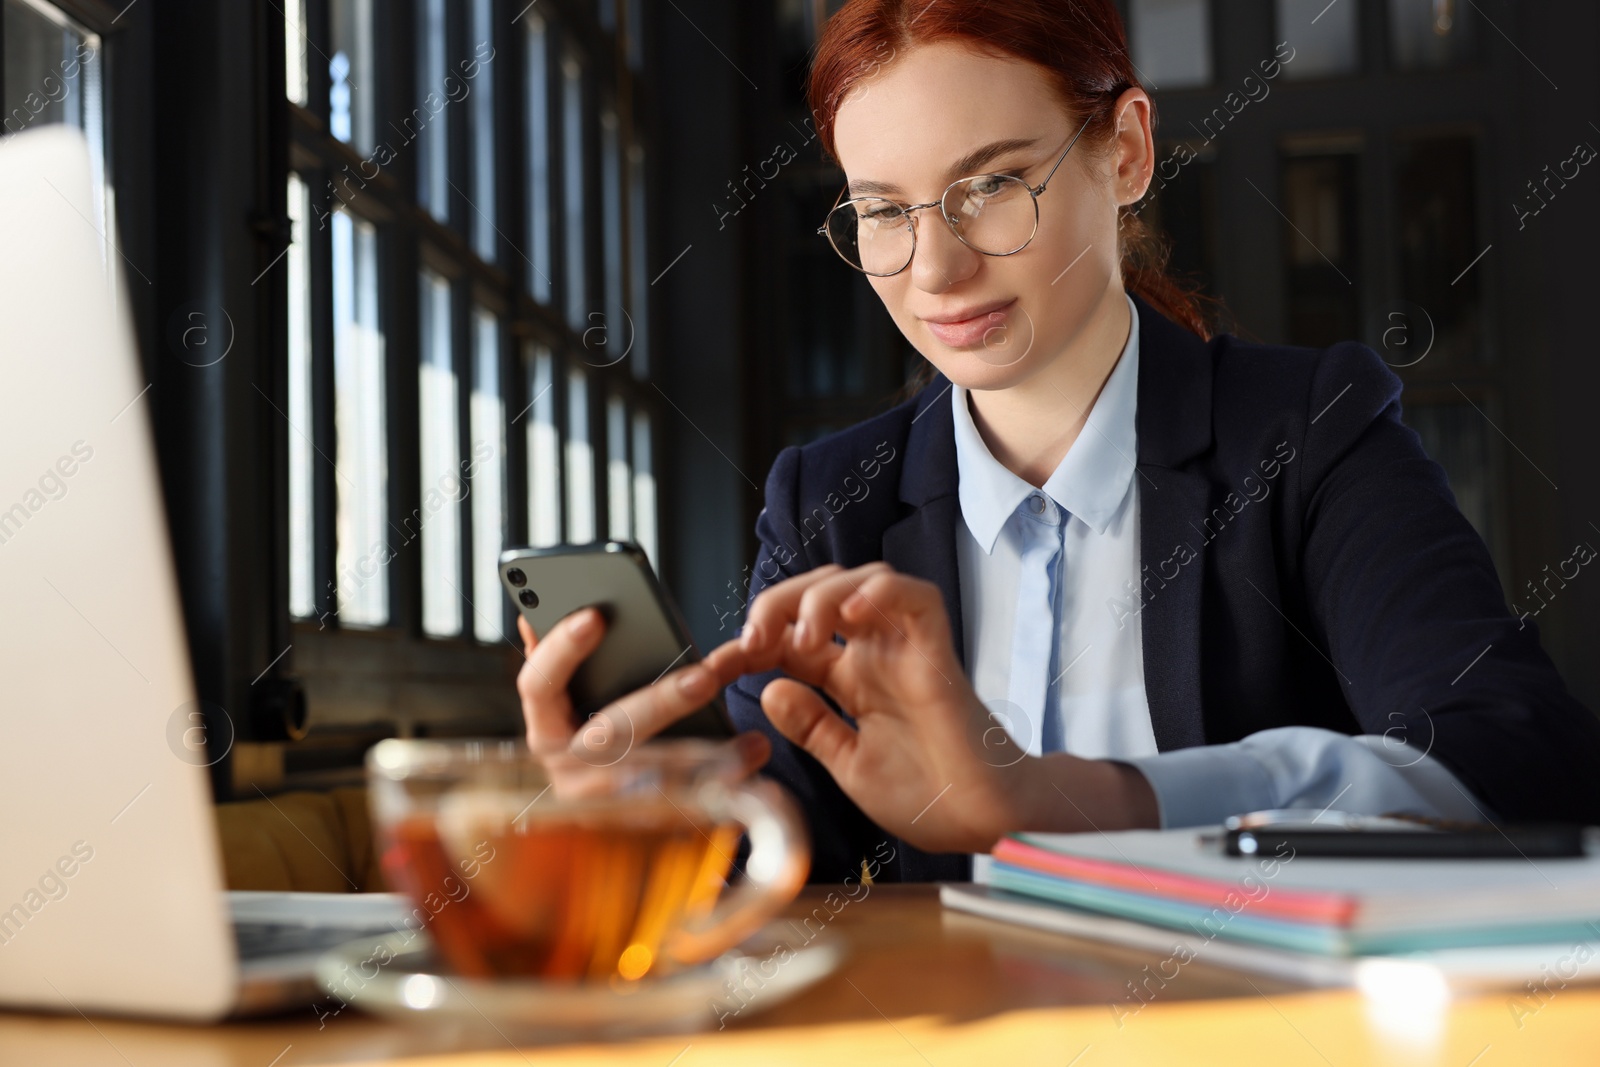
<point x="261" y="940"/>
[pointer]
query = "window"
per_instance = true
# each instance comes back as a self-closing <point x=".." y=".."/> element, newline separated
<point x="635" y="34"/>
<point x="296" y="50"/>
<point x="1436" y="208"/>
<point x="1459" y="438"/>
<point x="361" y="461"/>
<point x="443" y="486"/>
<point x="430" y="119"/>
<point x="352" y="78"/>
<point x="619" y="481"/>
<point x="302" y="458"/>
<point x="488" y="478"/>
<point x="1321" y="239"/>
<point x="1325" y="37"/>
<point x="483" y="132"/>
<point x="1433" y="335"/>
<point x="53" y="72"/>
<point x="644" y="489"/>
<point x="611" y="345"/>
<point x="639" y="282"/>
<point x="1432" y="34"/>
<point x="537" y="105"/>
<point x="574" y="184"/>
<point x="580" y="460"/>
<point x="544" y="450"/>
<point x="1171" y="42"/>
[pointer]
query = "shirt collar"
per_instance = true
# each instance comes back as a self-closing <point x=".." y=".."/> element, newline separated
<point x="1092" y="478"/>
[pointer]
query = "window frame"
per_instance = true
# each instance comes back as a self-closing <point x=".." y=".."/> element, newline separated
<point x="395" y="675"/>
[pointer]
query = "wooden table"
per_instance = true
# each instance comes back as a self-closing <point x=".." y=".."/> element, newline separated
<point x="924" y="986"/>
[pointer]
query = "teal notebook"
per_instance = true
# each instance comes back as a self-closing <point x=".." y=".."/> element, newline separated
<point x="1334" y="907"/>
<point x="1209" y="922"/>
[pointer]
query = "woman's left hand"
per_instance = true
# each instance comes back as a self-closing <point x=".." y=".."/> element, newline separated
<point x="908" y="761"/>
<point x="925" y="760"/>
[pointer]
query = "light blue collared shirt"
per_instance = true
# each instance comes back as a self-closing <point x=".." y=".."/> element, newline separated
<point x="1040" y="570"/>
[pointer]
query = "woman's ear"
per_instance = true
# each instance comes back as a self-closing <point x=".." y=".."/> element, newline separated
<point x="1133" y="157"/>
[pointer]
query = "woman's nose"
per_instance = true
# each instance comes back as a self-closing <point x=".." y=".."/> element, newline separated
<point x="941" y="259"/>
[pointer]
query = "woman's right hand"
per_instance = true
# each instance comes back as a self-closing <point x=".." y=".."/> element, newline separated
<point x="547" y="668"/>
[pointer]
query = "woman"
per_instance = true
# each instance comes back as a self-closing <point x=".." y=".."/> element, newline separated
<point x="1103" y="571"/>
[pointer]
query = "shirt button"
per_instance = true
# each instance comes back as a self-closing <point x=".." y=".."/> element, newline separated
<point x="1037" y="503"/>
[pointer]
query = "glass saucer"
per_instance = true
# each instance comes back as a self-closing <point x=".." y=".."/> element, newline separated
<point x="399" y="976"/>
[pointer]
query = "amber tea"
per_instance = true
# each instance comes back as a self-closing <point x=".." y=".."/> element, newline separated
<point x="555" y="867"/>
<point x="565" y="896"/>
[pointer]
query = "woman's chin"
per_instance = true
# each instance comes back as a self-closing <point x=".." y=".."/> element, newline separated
<point x="981" y="368"/>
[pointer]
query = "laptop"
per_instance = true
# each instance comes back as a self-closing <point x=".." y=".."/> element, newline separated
<point x="111" y="885"/>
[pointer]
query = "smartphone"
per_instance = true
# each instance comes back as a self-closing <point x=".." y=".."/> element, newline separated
<point x="1506" y="841"/>
<point x="645" y="635"/>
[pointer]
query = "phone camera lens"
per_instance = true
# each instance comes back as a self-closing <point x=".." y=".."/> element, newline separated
<point x="516" y="577"/>
<point x="529" y="598"/>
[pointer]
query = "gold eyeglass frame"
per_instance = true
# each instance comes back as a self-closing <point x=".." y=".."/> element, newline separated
<point x="906" y="209"/>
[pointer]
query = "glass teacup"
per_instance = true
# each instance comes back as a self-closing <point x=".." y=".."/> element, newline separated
<point x="545" y="865"/>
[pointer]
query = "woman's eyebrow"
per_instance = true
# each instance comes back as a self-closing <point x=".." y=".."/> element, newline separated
<point x="971" y="163"/>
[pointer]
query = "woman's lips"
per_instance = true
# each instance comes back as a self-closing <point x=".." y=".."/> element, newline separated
<point x="969" y="332"/>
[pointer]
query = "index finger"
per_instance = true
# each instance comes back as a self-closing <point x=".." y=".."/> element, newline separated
<point x="778" y="606"/>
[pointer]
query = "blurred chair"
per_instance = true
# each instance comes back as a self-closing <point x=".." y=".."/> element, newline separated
<point x="305" y="841"/>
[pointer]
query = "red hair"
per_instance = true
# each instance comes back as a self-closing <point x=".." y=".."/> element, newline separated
<point x="1081" y="46"/>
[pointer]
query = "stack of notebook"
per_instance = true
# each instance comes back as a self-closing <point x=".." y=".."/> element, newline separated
<point x="1304" y="918"/>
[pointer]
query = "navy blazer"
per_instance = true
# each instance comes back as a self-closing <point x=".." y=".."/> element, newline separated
<point x="1304" y="563"/>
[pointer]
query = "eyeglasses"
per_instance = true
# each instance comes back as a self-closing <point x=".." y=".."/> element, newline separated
<point x="989" y="213"/>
